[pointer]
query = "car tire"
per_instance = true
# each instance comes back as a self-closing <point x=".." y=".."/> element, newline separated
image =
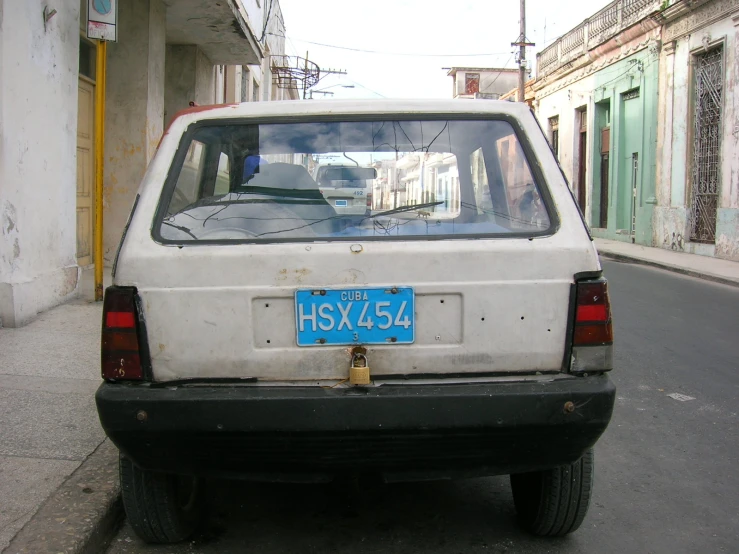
<point x="161" y="508"/>
<point x="553" y="503"/>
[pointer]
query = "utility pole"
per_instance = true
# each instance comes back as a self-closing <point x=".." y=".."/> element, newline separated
<point x="305" y="81"/>
<point x="319" y="74"/>
<point x="522" y="44"/>
<point x="522" y="56"/>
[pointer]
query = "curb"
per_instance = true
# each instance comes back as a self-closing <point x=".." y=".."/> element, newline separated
<point x="82" y="515"/>
<point x="668" y="267"/>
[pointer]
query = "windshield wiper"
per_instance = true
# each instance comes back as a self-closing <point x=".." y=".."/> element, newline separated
<point x="310" y="194"/>
<point x="407" y="208"/>
<point x="296" y="194"/>
<point x="180" y="228"/>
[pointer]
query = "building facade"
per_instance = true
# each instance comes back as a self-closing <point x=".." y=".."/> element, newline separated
<point x="169" y="54"/>
<point x="639" y="107"/>
<point x="596" y="96"/>
<point x="698" y="166"/>
<point x="488" y="83"/>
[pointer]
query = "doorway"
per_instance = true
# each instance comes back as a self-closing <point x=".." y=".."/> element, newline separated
<point x="605" y="149"/>
<point x="628" y="187"/>
<point x="85" y="153"/>
<point x="582" y="159"/>
<point x="634" y="185"/>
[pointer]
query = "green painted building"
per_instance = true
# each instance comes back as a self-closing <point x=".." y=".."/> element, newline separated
<point x="596" y="93"/>
<point x="623" y="148"/>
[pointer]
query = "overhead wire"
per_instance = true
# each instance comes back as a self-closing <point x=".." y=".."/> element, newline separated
<point x="266" y="22"/>
<point x="499" y="73"/>
<point x="367" y="88"/>
<point x="409" y="54"/>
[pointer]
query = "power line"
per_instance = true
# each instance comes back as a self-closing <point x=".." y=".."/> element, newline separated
<point x="368" y="89"/>
<point x="266" y="22"/>
<point x="499" y="73"/>
<point x="409" y="54"/>
<point x="290" y="42"/>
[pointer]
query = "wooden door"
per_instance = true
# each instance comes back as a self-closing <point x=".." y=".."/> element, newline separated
<point x="581" y="171"/>
<point x="605" y="149"/>
<point x="85" y="172"/>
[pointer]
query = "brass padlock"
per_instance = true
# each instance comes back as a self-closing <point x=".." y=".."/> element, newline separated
<point x="359" y="372"/>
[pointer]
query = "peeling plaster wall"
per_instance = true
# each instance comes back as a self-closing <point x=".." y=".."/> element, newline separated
<point x="179" y="87"/>
<point x="273" y="43"/>
<point x="219" y="89"/>
<point x="204" y="79"/>
<point x="134" y="110"/>
<point x="188" y="78"/>
<point x="254" y="12"/>
<point x="253" y="9"/>
<point x="563" y="104"/>
<point x="38" y="91"/>
<point x="632" y="65"/>
<point x="711" y="23"/>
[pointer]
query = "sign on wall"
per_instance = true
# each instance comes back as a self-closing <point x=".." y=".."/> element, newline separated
<point x="102" y="20"/>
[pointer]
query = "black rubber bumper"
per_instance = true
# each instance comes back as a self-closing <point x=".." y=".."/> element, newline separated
<point x="403" y="431"/>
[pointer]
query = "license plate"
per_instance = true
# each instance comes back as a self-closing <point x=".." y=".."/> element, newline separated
<point x="355" y="316"/>
<point x="340" y="203"/>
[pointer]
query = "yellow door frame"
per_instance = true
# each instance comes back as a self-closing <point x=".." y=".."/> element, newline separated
<point x="100" y="63"/>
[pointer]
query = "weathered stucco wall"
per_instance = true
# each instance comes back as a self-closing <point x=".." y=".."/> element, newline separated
<point x="599" y="88"/>
<point x="564" y="103"/>
<point x="38" y="134"/>
<point x="38" y="77"/>
<point x="134" y="110"/>
<point x="188" y="78"/>
<point x="253" y="9"/>
<point x="712" y="24"/>
<point x="179" y="88"/>
<point x="204" y="79"/>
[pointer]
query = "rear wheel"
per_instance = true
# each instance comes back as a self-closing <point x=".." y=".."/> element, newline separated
<point x="160" y="507"/>
<point x="554" y="502"/>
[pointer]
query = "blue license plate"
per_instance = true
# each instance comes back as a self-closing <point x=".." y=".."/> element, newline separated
<point x="340" y="203"/>
<point x="355" y="316"/>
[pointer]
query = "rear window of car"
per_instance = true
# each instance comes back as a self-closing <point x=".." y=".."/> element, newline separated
<point x="441" y="178"/>
<point x="359" y="175"/>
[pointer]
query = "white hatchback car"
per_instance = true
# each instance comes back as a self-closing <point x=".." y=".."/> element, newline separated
<point x="461" y="329"/>
<point x="347" y="189"/>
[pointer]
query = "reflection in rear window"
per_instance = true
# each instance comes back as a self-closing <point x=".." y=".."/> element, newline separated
<point x="350" y="173"/>
<point x="341" y="180"/>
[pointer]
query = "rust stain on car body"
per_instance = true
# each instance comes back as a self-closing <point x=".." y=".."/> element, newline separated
<point x="296" y="274"/>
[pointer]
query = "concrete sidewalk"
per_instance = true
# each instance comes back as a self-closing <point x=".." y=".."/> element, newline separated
<point x="703" y="267"/>
<point x="49" y="428"/>
<point x="49" y="371"/>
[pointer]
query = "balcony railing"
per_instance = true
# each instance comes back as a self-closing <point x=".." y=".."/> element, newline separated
<point x="597" y="29"/>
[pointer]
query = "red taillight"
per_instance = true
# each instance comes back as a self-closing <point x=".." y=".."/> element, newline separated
<point x="120" y="319"/>
<point x="369" y="200"/>
<point x="593" y="324"/>
<point x="120" y="353"/>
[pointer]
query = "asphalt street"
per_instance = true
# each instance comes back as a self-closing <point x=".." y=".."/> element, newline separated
<point x="666" y="476"/>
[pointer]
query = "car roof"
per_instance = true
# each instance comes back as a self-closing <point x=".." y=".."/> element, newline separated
<point x="298" y="108"/>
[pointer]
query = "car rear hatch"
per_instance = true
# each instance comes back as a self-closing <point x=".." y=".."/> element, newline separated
<point x="440" y="295"/>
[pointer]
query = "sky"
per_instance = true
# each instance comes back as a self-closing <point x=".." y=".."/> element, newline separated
<point x="417" y="38"/>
